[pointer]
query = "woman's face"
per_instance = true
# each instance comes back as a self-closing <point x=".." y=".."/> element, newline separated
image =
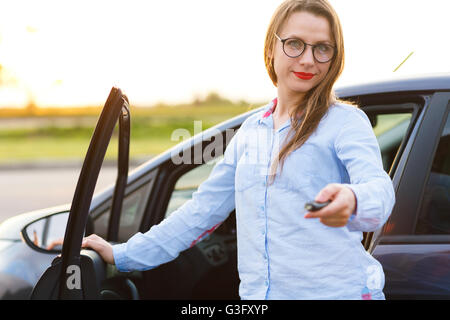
<point x="312" y="30"/>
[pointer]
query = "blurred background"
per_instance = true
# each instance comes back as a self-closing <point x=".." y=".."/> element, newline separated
<point x="177" y="61"/>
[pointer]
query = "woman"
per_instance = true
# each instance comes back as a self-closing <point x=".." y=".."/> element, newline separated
<point x="329" y="153"/>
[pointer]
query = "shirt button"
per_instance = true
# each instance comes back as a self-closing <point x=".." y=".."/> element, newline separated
<point x="262" y="208"/>
<point x="267" y="282"/>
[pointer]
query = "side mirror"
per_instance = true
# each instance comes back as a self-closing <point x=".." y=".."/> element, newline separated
<point x="46" y="234"/>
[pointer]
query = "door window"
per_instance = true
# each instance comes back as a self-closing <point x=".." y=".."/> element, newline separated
<point x="390" y="130"/>
<point x="133" y="208"/>
<point x="390" y="124"/>
<point x="188" y="183"/>
<point x="434" y="214"/>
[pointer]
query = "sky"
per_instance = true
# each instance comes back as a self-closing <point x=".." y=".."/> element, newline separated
<point x="70" y="53"/>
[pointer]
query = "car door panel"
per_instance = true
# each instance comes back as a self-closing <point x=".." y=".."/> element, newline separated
<point x="415" y="271"/>
<point x="416" y="266"/>
<point x="392" y="121"/>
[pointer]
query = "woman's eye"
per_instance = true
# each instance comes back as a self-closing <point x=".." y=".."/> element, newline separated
<point x="323" y="48"/>
<point x="295" y="44"/>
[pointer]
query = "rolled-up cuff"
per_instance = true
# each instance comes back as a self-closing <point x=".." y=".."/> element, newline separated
<point x="353" y="220"/>
<point x="120" y="257"/>
<point x="354" y="213"/>
<point x="368" y="215"/>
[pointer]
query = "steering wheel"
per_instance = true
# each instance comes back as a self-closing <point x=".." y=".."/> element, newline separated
<point x="119" y="288"/>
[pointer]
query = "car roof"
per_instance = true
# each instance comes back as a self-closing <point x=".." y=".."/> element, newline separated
<point x="423" y="82"/>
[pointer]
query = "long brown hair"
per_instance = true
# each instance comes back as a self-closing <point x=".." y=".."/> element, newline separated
<point x="316" y="101"/>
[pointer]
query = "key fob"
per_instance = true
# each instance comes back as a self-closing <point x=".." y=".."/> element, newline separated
<point x="314" y="205"/>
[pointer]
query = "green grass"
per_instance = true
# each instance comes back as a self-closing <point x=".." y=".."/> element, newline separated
<point x="388" y="121"/>
<point x="54" y="148"/>
<point x="151" y="131"/>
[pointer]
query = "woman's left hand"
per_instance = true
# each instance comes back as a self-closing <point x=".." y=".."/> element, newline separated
<point x="337" y="213"/>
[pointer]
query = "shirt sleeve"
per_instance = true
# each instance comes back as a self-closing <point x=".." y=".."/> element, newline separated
<point x="357" y="147"/>
<point x="209" y="206"/>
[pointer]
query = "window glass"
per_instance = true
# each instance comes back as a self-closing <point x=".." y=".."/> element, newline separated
<point x="107" y="177"/>
<point x="188" y="183"/>
<point x="390" y="130"/>
<point x="133" y="207"/>
<point x="101" y="221"/>
<point x="434" y="215"/>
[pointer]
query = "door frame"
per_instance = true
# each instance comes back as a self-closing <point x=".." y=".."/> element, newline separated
<point x="415" y="165"/>
<point x="54" y="282"/>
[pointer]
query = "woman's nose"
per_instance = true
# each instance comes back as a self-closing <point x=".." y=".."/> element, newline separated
<point x="307" y="57"/>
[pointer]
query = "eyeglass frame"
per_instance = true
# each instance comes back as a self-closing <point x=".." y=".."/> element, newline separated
<point x="283" y="41"/>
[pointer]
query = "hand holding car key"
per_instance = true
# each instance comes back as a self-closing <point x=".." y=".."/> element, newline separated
<point x="334" y="205"/>
<point x="314" y="205"/>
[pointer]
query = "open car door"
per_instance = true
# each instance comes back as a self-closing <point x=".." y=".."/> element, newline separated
<point x="78" y="274"/>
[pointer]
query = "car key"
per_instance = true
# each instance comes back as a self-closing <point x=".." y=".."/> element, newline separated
<point x="314" y="205"/>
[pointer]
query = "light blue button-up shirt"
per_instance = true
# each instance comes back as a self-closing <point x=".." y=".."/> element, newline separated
<point x="281" y="254"/>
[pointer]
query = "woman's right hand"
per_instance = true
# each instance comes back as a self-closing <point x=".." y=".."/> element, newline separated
<point x="103" y="248"/>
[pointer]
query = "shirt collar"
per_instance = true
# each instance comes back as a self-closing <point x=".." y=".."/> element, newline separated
<point x="271" y="109"/>
<point x="265" y="118"/>
<point x="267" y="112"/>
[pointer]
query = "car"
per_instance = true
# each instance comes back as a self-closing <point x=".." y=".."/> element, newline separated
<point x="411" y="120"/>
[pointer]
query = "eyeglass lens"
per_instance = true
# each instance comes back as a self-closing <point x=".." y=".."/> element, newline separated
<point x="295" y="47"/>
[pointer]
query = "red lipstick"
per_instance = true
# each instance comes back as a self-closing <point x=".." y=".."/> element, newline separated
<point x="304" y="76"/>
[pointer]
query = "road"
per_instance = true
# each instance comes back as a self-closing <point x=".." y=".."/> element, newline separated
<point x="27" y="189"/>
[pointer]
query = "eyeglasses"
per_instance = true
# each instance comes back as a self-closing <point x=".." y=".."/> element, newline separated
<point x="294" y="48"/>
